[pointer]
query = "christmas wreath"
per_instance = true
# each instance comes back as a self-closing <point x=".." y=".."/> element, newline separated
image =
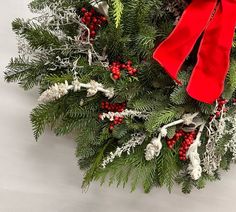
<point x="107" y="72"/>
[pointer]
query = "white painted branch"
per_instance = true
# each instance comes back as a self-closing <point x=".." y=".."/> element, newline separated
<point x="125" y="113"/>
<point x="194" y="168"/>
<point x="137" y="139"/>
<point x="61" y="89"/>
<point x="154" y="148"/>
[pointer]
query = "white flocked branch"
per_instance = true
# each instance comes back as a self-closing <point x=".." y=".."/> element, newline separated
<point x="194" y="168"/>
<point x="216" y="129"/>
<point x="136" y="140"/>
<point x="59" y="90"/>
<point x="153" y="149"/>
<point x="125" y="113"/>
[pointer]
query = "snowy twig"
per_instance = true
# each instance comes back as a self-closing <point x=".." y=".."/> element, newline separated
<point x="137" y="139"/>
<point x="51" y="18"/>
<point x="125" y="113"/>
<point x="216" y="130"/>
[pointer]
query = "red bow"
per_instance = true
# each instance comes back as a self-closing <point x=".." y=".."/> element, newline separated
<point x="217" y="19"/>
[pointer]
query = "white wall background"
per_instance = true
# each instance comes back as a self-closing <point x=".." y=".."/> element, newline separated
<point x="44" y="177"/>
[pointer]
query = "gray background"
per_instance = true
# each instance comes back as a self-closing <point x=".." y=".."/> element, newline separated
<point x="44" y="177"/>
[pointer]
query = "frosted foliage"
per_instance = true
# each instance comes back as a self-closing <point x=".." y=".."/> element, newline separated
<point x="216" y="130"/>
<point x="52" y="18"/>
<point x="61" y="89"/>
<point x="137" y="139"/>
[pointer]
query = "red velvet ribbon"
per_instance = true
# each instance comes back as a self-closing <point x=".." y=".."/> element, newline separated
<point x="217" y="21"/>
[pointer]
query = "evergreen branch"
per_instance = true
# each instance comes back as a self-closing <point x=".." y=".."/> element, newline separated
<point x="232" y="75"/>
<point x="160" y="117"/>
<point x="167" y="168"/>
<point x="130" y="168"/>
<point x="43" y="115"/>
<point x="120" y="131"/>
<point x="179" y="96"/>
<point x="118" y="10"/>
<point x="37" y="36"/>
<point x="96" y="163"/>
<point x="27" y="73"/>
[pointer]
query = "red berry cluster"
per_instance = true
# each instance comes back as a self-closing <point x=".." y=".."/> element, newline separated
<point x="92" y="20"/>
<point x="221" y="103"/>
<point x="114" y="107"/>
<point x="117" y="120"/>
<point x="116" y="68"/>
<point x="188" y="140"/>
<point x="171" y="142"/>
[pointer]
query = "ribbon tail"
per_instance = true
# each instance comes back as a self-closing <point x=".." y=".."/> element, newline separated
<point x="174" y="50"/>
<point x="207" y="80"/>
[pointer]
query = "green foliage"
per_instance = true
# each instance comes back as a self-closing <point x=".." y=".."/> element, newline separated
<point x="232" y="74"/>
<point x="45" y="114"/>
<point x="26" y="73"/>
<point x="160" y="117"/>
<point x="38" y="5"/>
<point x="130" y="168"/>
<point x="118" y="10"/>
<point x="179" y="96"/>
<point x="168" y="167"/>
<point x="145" y="41"/>
<point x="231" y="81"/>
<point x="135" y="170"/>
<point x="188" y="184"/>
<point x="226" y="161"/>
<point x="206" y="108"/>
<point x="96" y="163"/>
<point x="37" y="36"/>
<point x="120" y="131"/>
<point x="171" y="132"/>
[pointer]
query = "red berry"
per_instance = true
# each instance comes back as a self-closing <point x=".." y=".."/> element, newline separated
<point x="93" y="33"/>
<point x="225" y="101"/>
<point x="99" y="116"/>
<point x="116" y="77"/>
<point x="129" y="62"/>
<point x="83" y="10"/>
<point x="111" y="127"/>
<point x="87" y="19"/>
<point x="92" y="11"/>
<point x="86" y="14"/>
<point x="83" y="20"/>
<point x="189" y="143"/>
<point x="218" y="113"/>
<point x="103" y="19"/>
<point x="92" y="27"/>
<point x="95" y="20"/>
